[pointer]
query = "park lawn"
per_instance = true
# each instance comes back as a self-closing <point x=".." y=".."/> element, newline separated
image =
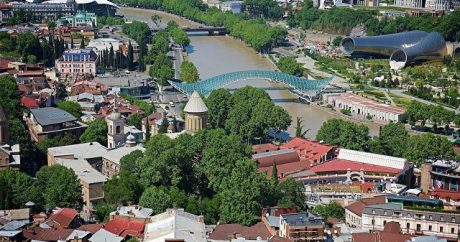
<point x="401" y="102"/>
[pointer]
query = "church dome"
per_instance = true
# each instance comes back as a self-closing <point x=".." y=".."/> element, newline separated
<point x="195" y="104"/>
<point x="130" y="139"/>
<point x="115" y="115"/>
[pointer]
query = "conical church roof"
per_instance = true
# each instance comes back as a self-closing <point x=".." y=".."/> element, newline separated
<point x="195" y="104"/>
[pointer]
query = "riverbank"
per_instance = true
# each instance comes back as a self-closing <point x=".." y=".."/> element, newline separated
<point x="145" y="15"/>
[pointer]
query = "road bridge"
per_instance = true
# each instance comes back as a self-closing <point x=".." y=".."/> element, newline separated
<point x="305" y="90"/>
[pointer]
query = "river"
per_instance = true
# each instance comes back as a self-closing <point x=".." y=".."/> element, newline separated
<point x="215" y="55"/>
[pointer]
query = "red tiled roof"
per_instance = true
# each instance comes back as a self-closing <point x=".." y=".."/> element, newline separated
<point x="256" y="149"/>
<point x="391" y="233"/>
<point x="124" y="227"/>
<point x="30" y="102"/>
<point x="444" y="194"/>
<point x="268" y="160"/>
<point x="47" y="234"/>
<point x="287" y="168"/>
<point x="29" y="73"/>
<point x="92" y="228"/>
<point x="64" y="217"/>
<point x="308" y="149"/>
<point x="343" y="165"/>
<point x="358" y="206"/>
<point x="24" y="89"/>
<point x="226" y="231"/>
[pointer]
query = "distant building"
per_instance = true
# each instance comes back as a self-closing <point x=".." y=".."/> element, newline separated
<point x="6" y="11"/>
<point x="364" y="108"/>
<point x="80" y="19"/>
<point x="301" y="227"/>
<point x="232" y="6"/>
<point x="77" y="62"/>
<point x="49" y="11"/>
<point x="88" y="102"/>
<point x="91" y="182"/>
<point x="196" y="114"/>
<point x="63" y="218"/>
<point x="391" y="233"/>
<point x="116" y="131"/>
<point x="133" y="212"/>
<point x="418" y="222"/>
<point x="9" y="152"/>
<point x="50" y="122"/>
<point x="134" y="84"/>
<point x="99" y="7"/>
<point x="111" y="160"/>
<point x="358" y="166"/>
<point x="354" y="211"/>
<point x="175" y="225"/>
<point x="101" y="44"/>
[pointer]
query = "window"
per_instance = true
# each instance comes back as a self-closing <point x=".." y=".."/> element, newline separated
<point x="442" y="218"/>
<point x="384" y="222"/>
<point x="408" y="225"/>
<point x="373" y="222"/>
<point x="453" y="219"/>
<point x="419" y="227"/>
<point x="431" y="217"/>
<point x="385" y="213"/>
<point x="452" y="230"/>
<point x="430" y="227"/>
<point x="373" y="211"/>
<point x="441" y="229"/>
<point x="118" y="130"/>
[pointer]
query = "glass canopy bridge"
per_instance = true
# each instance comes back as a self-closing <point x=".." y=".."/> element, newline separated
<point x="302" y="88"/>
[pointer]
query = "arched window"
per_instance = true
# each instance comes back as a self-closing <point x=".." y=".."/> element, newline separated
<point x="118" y="129"/>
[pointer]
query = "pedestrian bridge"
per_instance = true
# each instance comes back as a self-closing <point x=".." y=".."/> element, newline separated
<point x="299" y="86"/>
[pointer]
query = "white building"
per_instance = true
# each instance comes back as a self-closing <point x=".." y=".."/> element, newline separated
<point x="175" y="224"/>
<point x="417" y="222"/>
<point x="364" y="108"/>
<point x="233" y="6"/>
<point x="98" y="45"/>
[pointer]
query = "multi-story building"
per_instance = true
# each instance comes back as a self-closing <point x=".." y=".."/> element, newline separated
<point x="6" y="11"/>
<point x="50" y="122"/>
<point x="303" y="226"/>
<point x="232" y="6"/>
<point x="77" y="62"/>
<point x="80" y="19"/>
<point x="419" y="222"/>
<point x="91" y="181"/>
<point x="50" y="11"/>
<point x="364" y="108"/>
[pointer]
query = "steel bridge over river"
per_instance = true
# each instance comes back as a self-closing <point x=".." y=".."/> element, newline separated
<point x="304" y="89"/>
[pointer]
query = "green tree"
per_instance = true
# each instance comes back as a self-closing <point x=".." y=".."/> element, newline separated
<point x="332" y="209"/>
<point x="337" y="40"/>
<point x="299" y="128"/>
<point x="102" y="211"/>
<point x="71" y="107"/>
<point x="162" y="69"/>
<point x="60" y="187"/>
<point x="135" y="120"/>
<point x="95" y="132"/>
<point x="163" y="126"/>
<point x="156" y="198"/>
<point x="17" y="189"/>
<point x="219" y="102"/>
<point x="188" y="72"/>
<point x="392" y="140"/>
<point x="243" y="194"/>
<point x="61" y="140"/>
<point x="180" y="37"/>
<point x="344" y="134"/>
<point x="130" y="56"/>
<point x="289" y="65"/>
<point x="82" y="42"/>
<point x="423" y="146"/>
<point x="292" y="194"/>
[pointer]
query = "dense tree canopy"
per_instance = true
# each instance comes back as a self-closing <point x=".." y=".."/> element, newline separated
<point x="135" y="120"/>
<point x="423" y="146"/>
<point x="59" y="187"/>
<point x="332" y="209"/>
<point x="188" y="72"/>
<point x="95" y="132"/>
<point x="219" y="102"/>
<point x="344" y="134"/>
<point x="392" y="140"/>
<point x="71" y="107"/>
<point x="289" y="65"/>
<point x="17" y="189"/>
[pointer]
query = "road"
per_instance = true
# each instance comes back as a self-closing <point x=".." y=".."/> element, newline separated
<point x="402" y="94"/>
<point x="177" y="59"/>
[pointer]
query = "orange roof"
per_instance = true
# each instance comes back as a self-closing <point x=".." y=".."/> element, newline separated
<point x="287" y="168"/>
<point x="358" y="206"/>
<point x="63" y="217"/>
<point x="226" y="231"/>
<point x="264" y="148"/>
<point x="335" y="165"/>
<point x="30" y="102"/>
<point x="309" y="149"/>
<point x="124" y="227"/>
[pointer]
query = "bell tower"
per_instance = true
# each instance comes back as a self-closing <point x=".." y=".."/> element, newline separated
<point x="116" y="128"/>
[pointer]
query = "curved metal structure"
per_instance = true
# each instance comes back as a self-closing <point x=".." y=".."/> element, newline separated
<point x="402" y="48"/>
<point x="383" y="45"/>
<point x="431" y="47"/>
<point x="299" y="85"/>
